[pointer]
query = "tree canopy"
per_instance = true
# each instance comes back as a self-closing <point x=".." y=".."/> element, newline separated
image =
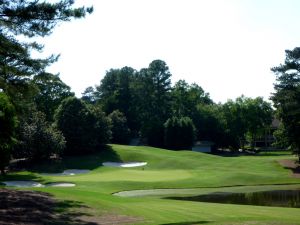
<point x="179" y="133"/>
<point x="84" y="127"/>
<point x="287" y="96"/>
<point x="51" y="92"/>
<point x="29" y="18"/>
<point x="8" y="123"/>
<point x="38" y="139"/>
<point x="120" y="130"/>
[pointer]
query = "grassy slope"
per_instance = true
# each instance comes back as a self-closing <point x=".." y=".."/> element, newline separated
<point x="169" y="169"/>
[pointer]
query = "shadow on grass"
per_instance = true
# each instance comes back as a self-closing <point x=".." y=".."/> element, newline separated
<point x="29" y="207"/>
<point x="292" y="165"/>
<point x="246" y="153"/>
<point x="90" y="161"/>
<point x="20" y="176"/>
<point x="274" y="153"/>
<point x="188" y="223"/>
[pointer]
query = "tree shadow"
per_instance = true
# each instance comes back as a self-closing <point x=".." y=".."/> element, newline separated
<point x="292" y="165"/>
<point x="29" y="207"/>
<point x="57" y="165"/>
<point x="274" y="154"/>
<point x="250" y="153"/>
<point x="23" y="177"/>
<point x="227" y="153"/>
<point x="188" y="223"/>
<point x="108" y="154"/>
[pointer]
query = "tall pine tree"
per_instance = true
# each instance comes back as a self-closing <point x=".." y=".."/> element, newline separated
<point x="287" y="96"/>
<point x="28" y="18"/>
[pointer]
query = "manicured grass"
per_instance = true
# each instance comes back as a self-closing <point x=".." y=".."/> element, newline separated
<point x="184" y="173"/>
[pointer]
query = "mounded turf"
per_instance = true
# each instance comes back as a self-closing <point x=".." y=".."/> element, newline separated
<point x="184" y="173"/>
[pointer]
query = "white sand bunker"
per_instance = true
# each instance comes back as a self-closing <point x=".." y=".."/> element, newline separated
<point x="60" y="184"/>
<point x="128" y="164"/>
<point x="22" y="184"/>
<point x="71" y="172"/>
<point x="75" y="172"/>
<point x="36" y="184"/>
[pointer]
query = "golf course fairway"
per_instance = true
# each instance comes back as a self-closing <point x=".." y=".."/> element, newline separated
<point x="167" y="174"/>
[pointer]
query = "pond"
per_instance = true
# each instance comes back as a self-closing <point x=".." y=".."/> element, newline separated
<point x="279" y="198"/>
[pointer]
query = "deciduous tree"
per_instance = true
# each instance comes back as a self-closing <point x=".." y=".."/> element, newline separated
<point x="84" y="127"/>
<point x="38" y="140"/>
<point x="186" y="98"/>
<point x="120" y="130"/>
<point x="179" y="133"/>
<point x="8" y="123"/>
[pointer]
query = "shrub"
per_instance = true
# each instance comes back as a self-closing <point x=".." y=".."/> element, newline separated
<point x="179" y="133"/>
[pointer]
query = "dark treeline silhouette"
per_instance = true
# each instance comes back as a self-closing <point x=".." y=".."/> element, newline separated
<point x="147" y="100"/>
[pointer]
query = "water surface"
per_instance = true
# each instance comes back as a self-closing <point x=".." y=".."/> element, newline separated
<point x="280" y="198"/>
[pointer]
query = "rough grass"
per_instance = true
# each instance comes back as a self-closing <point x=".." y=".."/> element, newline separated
<point x="184" y="172"/>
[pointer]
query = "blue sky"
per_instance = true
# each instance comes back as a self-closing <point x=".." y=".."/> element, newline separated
<point x="225" y="46"/>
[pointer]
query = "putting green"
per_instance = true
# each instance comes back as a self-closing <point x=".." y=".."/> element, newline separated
<point x="137" y="175"/>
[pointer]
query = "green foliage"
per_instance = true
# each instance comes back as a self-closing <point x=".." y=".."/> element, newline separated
<point x="186" y="98"/>
<point x="245" y="115"/>
<point x="156" y="84"/>
<point x="120" y="130"/>
<point x="179" y="133"/>
<point x="155" y="101"/>
<point x="147" y="100"/>
<point x="153" y="131"/>
<point x="51" y="93"/>
<point x="16" y="68"/>
<point x="8" y="123"/>
<point x="30" y="19"/>
<point x="258" y="117"/>
<point x="287" y="97"/>
<point x="144" y="98"/>
<point x="192" y="101"/>
<point x="281" y="138"/>
<point x="210" y="124"/>
<point x="38" y="140"/>
<point x="84" y="127"/>
<point x="116" y="92"/>
<point x="100" y="124"/>
<point x="88" y="95"/>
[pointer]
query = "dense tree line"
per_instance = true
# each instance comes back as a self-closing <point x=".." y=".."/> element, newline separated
<point x="155" y="110"/>
<point x="23" y="82"/>
<point x="41" y="117"/>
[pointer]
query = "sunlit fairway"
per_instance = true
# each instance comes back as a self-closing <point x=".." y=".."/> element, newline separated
<point x="173" y="174"/>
